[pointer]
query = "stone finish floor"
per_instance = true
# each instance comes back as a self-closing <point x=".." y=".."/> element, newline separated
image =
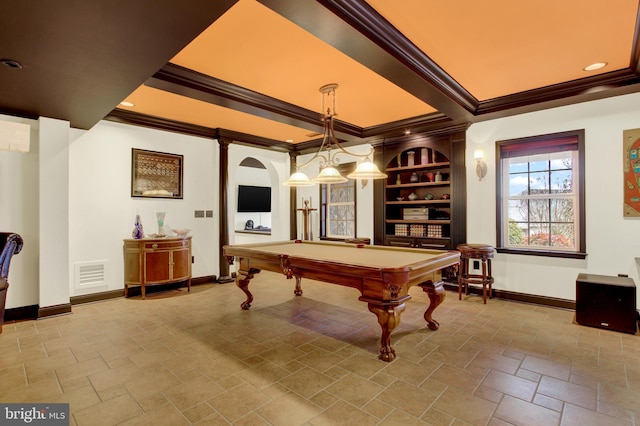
<point x="181" y="358"/>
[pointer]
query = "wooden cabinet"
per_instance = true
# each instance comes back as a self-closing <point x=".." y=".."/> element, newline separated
<point x="156" y="261"/>
<point x="422" y="202"/>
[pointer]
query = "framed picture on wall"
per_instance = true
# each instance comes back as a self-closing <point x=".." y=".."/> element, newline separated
<point x="156" y="174"/>
<point x="631" y="167"/>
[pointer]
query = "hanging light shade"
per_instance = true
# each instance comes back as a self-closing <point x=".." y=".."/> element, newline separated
<point x="367" y="170"/>
<point x="329" y="175"/>
<point x="298" y="179"/>
<point x="330" y="147"/>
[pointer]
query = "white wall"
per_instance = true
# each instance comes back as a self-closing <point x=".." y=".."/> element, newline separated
<point x="19" y="213"/>
<point x="613" y="242"/>
<point x="102" y="211"/>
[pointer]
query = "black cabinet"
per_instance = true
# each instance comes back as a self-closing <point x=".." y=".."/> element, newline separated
<point x="606" y="302"/>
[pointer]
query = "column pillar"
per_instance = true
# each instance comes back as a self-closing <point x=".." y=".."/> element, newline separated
<point x="53" y="212"/>
<point x="293" y="195"/>
<point x="223" y="224"/>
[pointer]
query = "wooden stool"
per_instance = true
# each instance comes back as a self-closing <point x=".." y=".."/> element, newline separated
<point x="484" y="253"/>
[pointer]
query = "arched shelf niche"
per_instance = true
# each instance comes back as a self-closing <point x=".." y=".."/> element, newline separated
<point x="254" y="201"/>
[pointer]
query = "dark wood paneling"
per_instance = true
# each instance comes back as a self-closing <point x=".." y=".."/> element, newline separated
<point x="458" y="189"/>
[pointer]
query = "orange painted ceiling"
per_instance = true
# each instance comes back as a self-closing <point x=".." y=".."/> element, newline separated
<point x="255" y="66"/>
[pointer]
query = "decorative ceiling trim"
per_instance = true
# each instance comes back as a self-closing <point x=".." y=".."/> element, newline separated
<point x="635" y="47"/>
<point x="232" y="136"/>
<point x="582" y="90"/>
<point x="185" y="82"/>
<point x="144" y="120"/>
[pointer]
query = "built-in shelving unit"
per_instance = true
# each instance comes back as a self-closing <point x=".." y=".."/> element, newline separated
<point x="422" y="202"/>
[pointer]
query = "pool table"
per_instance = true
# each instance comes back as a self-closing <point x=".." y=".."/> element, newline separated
<point x="382" y="274"/>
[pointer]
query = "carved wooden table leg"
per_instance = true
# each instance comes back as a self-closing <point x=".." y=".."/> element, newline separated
<point x="298" y="290"/>
<point x="389" y="319"/>
<point x="436" y="294"/>
<point x="243" y="284"/>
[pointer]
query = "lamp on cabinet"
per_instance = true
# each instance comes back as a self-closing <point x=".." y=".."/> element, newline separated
<point x="481" y="165"/>
<point x="328" y="161"/>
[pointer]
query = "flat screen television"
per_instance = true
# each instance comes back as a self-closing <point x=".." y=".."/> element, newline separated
<point x="254" y="199"/>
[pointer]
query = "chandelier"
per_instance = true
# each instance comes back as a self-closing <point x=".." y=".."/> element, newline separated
<point x="329" y="149"/>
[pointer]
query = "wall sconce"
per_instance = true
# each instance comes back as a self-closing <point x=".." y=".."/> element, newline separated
<point x="481" y="165"/>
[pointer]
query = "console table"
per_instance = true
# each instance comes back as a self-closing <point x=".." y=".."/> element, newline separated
<point x="151" y="261"/>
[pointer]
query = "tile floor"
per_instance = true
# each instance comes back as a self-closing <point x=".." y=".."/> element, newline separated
<point x="181" y="358"/>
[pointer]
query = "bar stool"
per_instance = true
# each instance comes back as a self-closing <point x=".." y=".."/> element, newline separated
<point x="484" y="253"/>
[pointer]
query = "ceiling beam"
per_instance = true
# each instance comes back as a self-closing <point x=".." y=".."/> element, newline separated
<point x="357" y="30"/>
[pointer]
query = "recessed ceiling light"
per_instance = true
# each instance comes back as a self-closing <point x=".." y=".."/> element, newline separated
<point x="595" y="66"/>
<point x="407" y="132"/>
<point x="10" y="63"/>
<point x="289" y="140"/>
<point x="127" y="103"/>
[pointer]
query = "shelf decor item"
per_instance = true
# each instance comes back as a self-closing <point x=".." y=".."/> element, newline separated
<point x="160" y="217"/>
<point x="424" y="156"/>
<point x="414" y="178"/>
<point x="138" y="232"/>
<point x="411" y="158"/>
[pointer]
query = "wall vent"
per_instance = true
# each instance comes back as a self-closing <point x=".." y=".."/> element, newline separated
<point x="90" y="274"/>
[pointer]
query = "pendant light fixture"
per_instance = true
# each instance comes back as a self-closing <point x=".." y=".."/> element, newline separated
<point x="328" y="161"/>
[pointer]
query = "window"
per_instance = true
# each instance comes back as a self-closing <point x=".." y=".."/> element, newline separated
<point x="338" y="210"/>
<point x="541" y="195"/>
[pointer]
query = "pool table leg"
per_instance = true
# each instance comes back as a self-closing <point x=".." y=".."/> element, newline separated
<point x="298" y="290"/>
<point x="436" y="294"/>
<point x="242" y="281"/>
<point x="388" y="318"/>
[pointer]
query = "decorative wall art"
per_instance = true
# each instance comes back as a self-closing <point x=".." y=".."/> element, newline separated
<point x="156" y="174"/>
<point x="631" y="170"/>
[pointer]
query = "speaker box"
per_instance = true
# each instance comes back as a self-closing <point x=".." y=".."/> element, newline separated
<point x="606" y="302"/>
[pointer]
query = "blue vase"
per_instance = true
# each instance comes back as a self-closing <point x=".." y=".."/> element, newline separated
<point x="137" y="232"/>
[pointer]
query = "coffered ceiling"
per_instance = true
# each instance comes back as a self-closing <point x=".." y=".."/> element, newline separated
<point x="251" y="69"/>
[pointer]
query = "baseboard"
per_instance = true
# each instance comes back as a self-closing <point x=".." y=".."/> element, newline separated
<point x="34" y="312"/>
<point x="208" y="279"/>
<point x="49" y="311"/>
<point x="96" y="297"/>
<point x="22" y="313"/>
<point x="520" y="297"/>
